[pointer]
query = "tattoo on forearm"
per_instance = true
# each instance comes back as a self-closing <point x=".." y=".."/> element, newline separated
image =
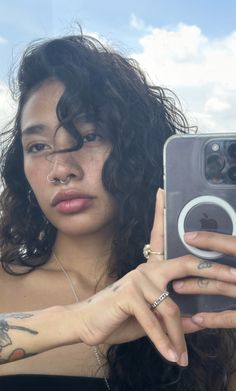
<point x="204" y="264"/>
<point x="203" y="282"/>
<point x="5" y="339"/>
<point x="17" y="354"/>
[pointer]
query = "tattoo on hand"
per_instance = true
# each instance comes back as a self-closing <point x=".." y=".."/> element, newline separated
<point x="5" y="340"/>
<point x="204" y="264"/>
<point x="203" y="282"/>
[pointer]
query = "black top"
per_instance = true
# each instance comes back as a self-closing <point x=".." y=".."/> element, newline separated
<point x="51" y="382"/>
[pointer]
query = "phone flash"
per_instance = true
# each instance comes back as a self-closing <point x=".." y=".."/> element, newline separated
<point x="215" y="147"/>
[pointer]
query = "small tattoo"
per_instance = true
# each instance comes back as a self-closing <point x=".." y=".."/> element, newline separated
<point x="17" y="354"/>
<point x="15" y="315"/>
<point x="116" y="288"/>
<point x="204" y="265"/>
<point x="89" y="300"/>
<point x="5" y="340"/>
<point x="203" y="282"/>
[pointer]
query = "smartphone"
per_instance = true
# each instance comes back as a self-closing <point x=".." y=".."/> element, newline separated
<point x="200" y="195"/>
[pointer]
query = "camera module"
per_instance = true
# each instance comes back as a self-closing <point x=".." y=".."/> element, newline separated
<point x="232" y="150"/>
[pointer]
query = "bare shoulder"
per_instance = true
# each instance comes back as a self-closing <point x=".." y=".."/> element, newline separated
<point x="9" y="285"/>
<point x="39" y="289"/>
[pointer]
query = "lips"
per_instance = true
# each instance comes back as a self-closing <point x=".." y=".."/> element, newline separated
<point x="68" y="196"/>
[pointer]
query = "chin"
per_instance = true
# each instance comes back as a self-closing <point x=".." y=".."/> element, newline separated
<point x="80" y="228"/>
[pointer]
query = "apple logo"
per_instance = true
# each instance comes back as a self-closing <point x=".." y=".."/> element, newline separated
<point x="208" y="224"/>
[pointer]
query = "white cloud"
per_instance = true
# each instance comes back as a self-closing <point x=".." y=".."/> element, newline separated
<point x="215" y="104"/>
<point x="137" y="23"/>
<point x="200" y="70"/>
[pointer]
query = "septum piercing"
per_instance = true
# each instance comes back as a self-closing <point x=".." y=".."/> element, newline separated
<point x="60" y="181"/>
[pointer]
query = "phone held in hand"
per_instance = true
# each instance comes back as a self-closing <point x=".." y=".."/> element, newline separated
<point x="200" y="191"/>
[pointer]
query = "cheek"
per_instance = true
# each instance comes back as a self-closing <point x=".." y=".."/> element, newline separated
<point x="34" y="175"/>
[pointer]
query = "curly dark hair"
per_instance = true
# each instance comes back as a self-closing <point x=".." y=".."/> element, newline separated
<point x="109" y="90"/>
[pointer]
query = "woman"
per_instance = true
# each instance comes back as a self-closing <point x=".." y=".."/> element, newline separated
<point x="80" y="305"/>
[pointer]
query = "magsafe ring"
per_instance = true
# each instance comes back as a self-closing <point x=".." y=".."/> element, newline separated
<point x="199" y="202"/>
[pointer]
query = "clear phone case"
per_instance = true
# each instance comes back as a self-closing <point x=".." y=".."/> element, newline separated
<point x="200" y="191"/>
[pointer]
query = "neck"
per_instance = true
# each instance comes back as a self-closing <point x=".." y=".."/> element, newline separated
<point x="86" y="255"/>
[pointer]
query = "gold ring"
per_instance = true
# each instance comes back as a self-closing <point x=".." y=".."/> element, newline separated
<point x="147" y="251"/>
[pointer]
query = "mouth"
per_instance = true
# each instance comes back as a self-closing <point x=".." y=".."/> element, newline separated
<point x="71" y="201"/>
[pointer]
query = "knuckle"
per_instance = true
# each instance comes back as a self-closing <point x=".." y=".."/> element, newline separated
<point x="183" y="264"/>
<point x="132" y="279"/>
<point x="220" y="269"/>
<point x="140" y="269"/>
<point x="151" y="323"/>
<point x="172" y="310"/>
<point x="220" y="287"/>
<point x="229" y="319"/>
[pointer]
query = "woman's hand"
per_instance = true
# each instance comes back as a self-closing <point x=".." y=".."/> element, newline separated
<point x="122" y="313"/>
<point x="225" y="244"/>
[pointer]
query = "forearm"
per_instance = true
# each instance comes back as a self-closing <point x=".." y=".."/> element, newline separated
<point x="28" y="333"/>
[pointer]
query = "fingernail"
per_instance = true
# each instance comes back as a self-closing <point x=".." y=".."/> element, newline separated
<point x="172" y="355"/>
<point x="197" y="319"/>
<point x="190" y="235"/>
<point x="183" y="361"/>
<point x="233" y="271"/>
<point x="178" y="284"/>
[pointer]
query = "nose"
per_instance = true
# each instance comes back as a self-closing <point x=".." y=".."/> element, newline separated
<point x="64" y="165"/>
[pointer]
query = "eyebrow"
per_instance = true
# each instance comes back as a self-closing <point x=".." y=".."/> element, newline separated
<point x="34" y="129"/>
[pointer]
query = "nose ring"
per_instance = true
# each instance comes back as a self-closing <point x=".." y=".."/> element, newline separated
<point x="60" y="181"/>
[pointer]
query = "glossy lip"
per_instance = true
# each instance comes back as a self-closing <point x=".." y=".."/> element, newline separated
<point x="69" y="195"/>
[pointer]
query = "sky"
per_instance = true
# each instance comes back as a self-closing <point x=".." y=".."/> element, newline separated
<point x="188" y="46"/>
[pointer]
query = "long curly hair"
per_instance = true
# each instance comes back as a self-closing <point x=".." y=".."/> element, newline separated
<point x="104" y="87"/>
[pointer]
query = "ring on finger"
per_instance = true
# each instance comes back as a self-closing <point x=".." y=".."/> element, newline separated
<point x="158" y="301"/>
<point x="147" y="251"/>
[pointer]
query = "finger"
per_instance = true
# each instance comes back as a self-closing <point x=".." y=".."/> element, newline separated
<point x="171" y="316"/>
<point x="168" y="314"/>
<point x="204" y="286"/>
<point x="152" y="328"/>
<point x="224" y="319"/>
<point x="157" y="234"/>
<point x="189" y="265"/>
<point x="189" y="326"/>
<point x="212" y="241"/>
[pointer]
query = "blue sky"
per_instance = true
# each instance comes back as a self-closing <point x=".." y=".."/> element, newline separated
<point x="200" y="36"/>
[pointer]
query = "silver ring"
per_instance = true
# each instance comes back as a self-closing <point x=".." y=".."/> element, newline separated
<point x="147" y="251"/>
<point x="65" y="181"/>
<point x="61" y="181"/>
<point x="158" y="301"/>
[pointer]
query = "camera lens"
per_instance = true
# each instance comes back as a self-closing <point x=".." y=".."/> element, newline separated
<point x="214" y="166"/>
<point x="215" y="162"/>
<point x="232" y="150"/>
<point x="232" y="173"/>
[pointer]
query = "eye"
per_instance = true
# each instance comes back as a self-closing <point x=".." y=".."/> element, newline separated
<point x="35" y="148"/>
<point x="90" y="137"/>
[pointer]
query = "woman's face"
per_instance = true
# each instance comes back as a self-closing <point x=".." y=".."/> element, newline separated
<point x="81" y="206"/>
